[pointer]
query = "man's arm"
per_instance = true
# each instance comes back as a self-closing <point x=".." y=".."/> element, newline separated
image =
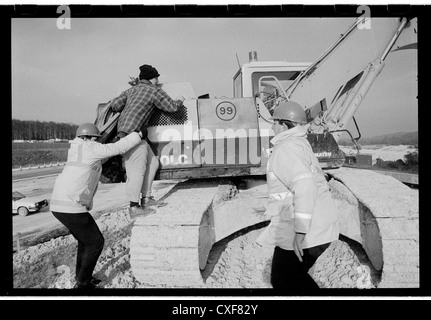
<point x="164" y="102"/>
<point x="119" y="102"/>
<point x="103" y="151"/>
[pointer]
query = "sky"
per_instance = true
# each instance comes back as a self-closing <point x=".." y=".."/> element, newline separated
<point x="62" y="75"/>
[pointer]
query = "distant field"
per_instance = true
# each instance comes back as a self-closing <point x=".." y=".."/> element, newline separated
<point x="37" y="153"/>
<point x="39" y="145"/>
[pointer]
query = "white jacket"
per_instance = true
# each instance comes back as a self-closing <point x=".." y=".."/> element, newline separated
<point x="299" y="199"/>
<point x="75" y="187"/>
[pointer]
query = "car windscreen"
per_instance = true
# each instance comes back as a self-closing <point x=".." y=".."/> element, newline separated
<point x="16" y="196"/>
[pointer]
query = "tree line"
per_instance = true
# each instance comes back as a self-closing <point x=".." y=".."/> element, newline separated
<point x="42" y="130"/>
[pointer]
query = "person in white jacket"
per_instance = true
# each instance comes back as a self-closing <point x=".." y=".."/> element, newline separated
<point x="74" y="189"/>
<point x="302" y="212"/>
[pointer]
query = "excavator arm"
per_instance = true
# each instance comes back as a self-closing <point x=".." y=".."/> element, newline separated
<point x="332" y="88"/>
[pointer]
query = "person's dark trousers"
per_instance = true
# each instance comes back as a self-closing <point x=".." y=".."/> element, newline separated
<point x="288" y="273"/>
<point x="90" y="242"/>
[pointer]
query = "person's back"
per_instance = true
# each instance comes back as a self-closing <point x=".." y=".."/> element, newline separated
<point x="74" y="189"/>
<point x="76" y="185"/>
<point x="138" y="107"/>
<point x="304" y="148"/>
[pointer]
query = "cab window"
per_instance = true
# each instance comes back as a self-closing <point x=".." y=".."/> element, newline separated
<point x="269" y="85"/>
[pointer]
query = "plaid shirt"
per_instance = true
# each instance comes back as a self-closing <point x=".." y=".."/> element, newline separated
<point x="137" y="103"/>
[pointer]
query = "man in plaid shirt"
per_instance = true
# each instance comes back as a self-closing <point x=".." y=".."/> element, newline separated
<point x="136" y="106"/>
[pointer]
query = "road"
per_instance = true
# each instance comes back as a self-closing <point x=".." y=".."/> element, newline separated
<point x="42" y="224"/>
<point x="107" y="196"/>
<point x="42" y="172"/>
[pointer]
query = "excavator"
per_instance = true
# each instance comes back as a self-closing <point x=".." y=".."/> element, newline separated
<point x="218" y="148"/>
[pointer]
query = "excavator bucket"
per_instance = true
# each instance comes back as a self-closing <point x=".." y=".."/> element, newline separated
<point x="106" y="122"/>
<point x="326" y="150"/>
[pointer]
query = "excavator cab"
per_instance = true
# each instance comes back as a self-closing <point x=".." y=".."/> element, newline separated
<point x="268" y="82"/>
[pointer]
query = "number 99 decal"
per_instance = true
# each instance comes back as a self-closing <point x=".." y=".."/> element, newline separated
<point x="226" y="111"/>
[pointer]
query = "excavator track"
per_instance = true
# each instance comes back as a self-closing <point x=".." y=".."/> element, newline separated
<point x="171" y="247"/>
<point x="164" y="247"/>
<point x="382" y="214"/>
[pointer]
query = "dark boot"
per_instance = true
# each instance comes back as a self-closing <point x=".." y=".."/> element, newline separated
<point x="84" y="286"/>
<point x="95" y="281"/>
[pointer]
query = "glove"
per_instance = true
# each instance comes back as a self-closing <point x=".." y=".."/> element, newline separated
<point x="180" y="98"/>
<point x="260" y="212"/>
<point x="121" y="135"/>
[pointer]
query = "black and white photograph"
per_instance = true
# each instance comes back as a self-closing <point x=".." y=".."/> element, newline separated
<point x="252" y="150"/>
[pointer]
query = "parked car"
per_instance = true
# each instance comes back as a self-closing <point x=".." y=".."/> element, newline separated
<point x="24" y="205"/>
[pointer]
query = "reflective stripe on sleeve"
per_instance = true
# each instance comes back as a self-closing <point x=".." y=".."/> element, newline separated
<point x="299" y="177"/>
<point x="302" y="222"/>
<point x="302" y="215"/>
<point x="278" y="196"/>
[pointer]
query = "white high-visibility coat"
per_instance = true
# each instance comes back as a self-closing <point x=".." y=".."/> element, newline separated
<point x="75" y="187"/>
<point x="299" y="199"/>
